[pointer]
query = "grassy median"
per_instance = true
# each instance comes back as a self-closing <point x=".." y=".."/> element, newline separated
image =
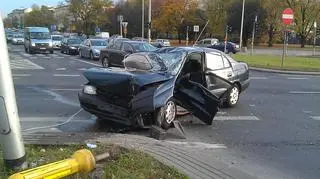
<point x="274" y="62"/>
<point x="123" y="163"/>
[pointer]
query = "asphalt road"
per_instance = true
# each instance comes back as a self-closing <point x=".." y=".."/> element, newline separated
<point x="273" y="133"/>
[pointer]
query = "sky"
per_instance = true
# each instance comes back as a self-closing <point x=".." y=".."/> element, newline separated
<point x="8" y="5"/>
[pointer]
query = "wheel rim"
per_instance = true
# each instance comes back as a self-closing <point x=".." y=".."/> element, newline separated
<point x="105" y="62"/>
<point x="234" y="95"/>
<point x="170" y="112"/>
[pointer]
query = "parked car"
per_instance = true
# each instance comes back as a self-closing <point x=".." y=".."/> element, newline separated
<point x="37" y="39"/>
<point x="9" y="36"/>
<point x="230" y="48"/>
<point x="140" y="39"/>
<point x="207" y="42"/>
<point x="56" y="41"/>
<point x="149" y="88"/>
<point x="159" y="43"/>
<point x="17" y="39"/>
<point x="114" y="54"/>
<point x="90" y="48"/>
<point x="70" y="45"/>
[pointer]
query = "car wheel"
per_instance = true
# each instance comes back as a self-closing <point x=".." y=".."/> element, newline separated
<point x="80" y="53"/>
<point x="233" y="97"/>
<point x="68" y="51"/>
<point x="105" y="62"/>
<point x="61" y="51"/>
<point x="91" y="56"/>
<point x="51" y="52"/>
<point x="166" y="114"/>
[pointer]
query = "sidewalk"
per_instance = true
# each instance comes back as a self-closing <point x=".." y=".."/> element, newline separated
<point x="193" y="159"/>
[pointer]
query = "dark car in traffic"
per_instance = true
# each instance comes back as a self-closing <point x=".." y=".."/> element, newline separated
<point x="114" y="54"/>
<point x="152" y="84"/>
<point x="90" y="48"/>
<point x="230" y="48"/>
<point x="70" y="45"/>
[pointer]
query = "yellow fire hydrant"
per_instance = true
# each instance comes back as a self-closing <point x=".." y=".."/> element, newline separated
<point x="81" y="161"/>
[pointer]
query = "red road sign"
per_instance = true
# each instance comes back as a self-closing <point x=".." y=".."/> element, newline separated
<point x="287" y="16"/>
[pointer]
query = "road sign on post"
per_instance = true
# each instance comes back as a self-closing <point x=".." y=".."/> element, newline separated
<point x="287" y="16"/>
<point x="196" y="28"/>
<point x="287" y="19"/>
<point x="125" y="30"/>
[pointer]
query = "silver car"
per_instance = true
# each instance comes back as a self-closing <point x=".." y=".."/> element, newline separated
<point x="56" y="41"/>
<point x="207" y="42"/>
<point x="90" y="48"/>
<point x="17" y="39"/>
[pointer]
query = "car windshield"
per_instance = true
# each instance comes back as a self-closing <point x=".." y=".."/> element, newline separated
<point x="143" y="47"/>
<point x="40" y="35"/>
<point x="74" y="41"/>
<point x="57" y="38"/>
<point x="172" y="60"/>
<point x="18" y="36"/>
<point x="98" y="43"/>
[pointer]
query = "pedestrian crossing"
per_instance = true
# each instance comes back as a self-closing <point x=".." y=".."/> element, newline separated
<point x="17" y="62"/>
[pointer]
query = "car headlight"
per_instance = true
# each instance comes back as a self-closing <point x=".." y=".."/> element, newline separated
<point x="96" y="51"/>
<point x="88" y="89"/>
<point x="33" y="44"/>
<point x="50" y="44"/>
<point x="73" y="48"/>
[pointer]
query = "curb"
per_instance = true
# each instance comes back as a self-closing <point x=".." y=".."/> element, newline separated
<point x="284" y="71"/>
<point x="194" y="162"/>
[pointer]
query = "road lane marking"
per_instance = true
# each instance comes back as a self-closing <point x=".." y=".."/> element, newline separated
<point x="61" y="69"/>
<point x="59" y="57"/>
<point x="67" y="89"/>
<point x="317" y="118"/>
<point x="236" y="118"/>
<point x="65" y="75"/>
<point x="258" y="78"/>
<point x="296" y="78"/>
<point x="20" y="75"/>
<point x="24" y="64"/>
<point x="82" y="69"/>
<point x="221" y="112"/>
<point x="304" y="92"/>
<point x="201" y="145"/>
<point x="94" y="64"/>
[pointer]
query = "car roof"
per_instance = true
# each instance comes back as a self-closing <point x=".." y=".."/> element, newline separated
<point x="133" y="41"/>
<point x="197" y="49"/>
<point x="38" y="29"/>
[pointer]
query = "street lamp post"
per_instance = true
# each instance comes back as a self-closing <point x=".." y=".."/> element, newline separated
<point x="242" y="18"/>
<point x="142" y="20"/>
<point x="149" y="21"/>
<point x="314" y="38"/>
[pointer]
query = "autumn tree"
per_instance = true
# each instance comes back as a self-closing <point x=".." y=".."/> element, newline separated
<point x="89" y="13"/>
<point x="272" y="17"/>
<point x="216" y="12"/>
<point x="174" y="14"/>
<point x="306" y="13"/>
<point x="43" y="16"/>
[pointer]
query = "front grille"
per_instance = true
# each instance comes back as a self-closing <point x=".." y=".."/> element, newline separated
<point x="42" y="45"/>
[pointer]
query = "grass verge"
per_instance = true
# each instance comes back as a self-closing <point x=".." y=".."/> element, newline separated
<point x="274" y="62"/>
<point x="123" y="163"/>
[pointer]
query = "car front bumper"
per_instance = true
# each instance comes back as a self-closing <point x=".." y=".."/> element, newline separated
<point x="41" y="49"/>
<point x="94" y="105"/>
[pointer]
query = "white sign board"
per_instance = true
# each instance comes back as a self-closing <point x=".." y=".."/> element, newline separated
<point x="124" y="24"/>
<point x="196" y="28"/>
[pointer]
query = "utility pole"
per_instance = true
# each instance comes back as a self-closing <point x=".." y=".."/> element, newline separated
<point x="150" y="24"/>
<point x="187" y="37"/>
<point x="314" y="38"/>
<point x="10" y="136"/>
<point x="241" y="30"/>
<point x="253" y="33"/>
<point x="142" y="20"/>
<point x="226" y="40"/>
<point x="120" y="21"/>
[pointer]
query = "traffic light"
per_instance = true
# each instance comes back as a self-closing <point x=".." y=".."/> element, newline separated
<point x="256" y="27"/>
<point x="318" y="31"/>
<point x="229" y="29"/>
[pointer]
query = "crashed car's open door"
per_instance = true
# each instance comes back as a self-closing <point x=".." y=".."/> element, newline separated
<point x="197" y="99"/>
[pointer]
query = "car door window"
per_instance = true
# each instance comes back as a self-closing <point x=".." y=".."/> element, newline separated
<point x="214" y="61"/>
<point x="117" y="45"/>
<point x="207" y="42"/>
<point x="126" y="47"/>
<point x="226" y="62"/>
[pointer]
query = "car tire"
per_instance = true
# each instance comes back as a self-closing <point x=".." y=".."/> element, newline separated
<point x="166" y="115"/>
<point x="51" y="52"/>
<point x="233" y="97"/>
<point x="61" y="51"/>
<point x="105" y="62"/>
<point x="68" y="52"/>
